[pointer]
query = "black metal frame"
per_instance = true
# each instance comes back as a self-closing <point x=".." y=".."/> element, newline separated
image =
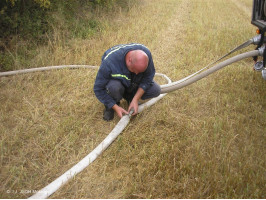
<point x="258" y="14"/>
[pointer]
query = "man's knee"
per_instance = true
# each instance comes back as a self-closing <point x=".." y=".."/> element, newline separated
<point x="115" y="89"/>
<point x="153" y="91"/>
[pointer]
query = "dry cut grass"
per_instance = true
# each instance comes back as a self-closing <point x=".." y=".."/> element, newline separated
<point x="203" y="141"/>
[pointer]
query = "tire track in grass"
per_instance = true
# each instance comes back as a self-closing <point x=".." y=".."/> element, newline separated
<point x="171" y="38"/>
<point x="242" y="7"/>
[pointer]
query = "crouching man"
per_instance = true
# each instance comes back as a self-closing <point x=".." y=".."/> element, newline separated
<point x="126" y="71"/>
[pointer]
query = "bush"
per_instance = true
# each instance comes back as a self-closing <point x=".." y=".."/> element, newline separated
<point x="22" y="17"/>
<point x="34" y="21"/>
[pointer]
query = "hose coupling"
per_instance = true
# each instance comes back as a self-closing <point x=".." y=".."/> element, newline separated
<point x="131" y="112"/>
<point x="263" y="73"/>
<point x="258" y="66"/>
<point x="261" y="50"/>
<point x="256" y="39"/>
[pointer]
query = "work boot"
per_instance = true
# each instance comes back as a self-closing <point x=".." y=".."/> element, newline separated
<point x="108" y="114"/>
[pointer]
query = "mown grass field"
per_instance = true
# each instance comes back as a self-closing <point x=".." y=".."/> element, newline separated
<point x="204" y="141"/>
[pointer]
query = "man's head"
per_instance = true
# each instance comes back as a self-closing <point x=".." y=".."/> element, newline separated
<point x="137" y="61"/>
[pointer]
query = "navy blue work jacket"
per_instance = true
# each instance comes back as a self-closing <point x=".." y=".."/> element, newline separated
<point x="113" y="66"/>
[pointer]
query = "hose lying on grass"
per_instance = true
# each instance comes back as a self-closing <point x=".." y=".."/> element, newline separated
<point x="41" y="69"/>
<point x="55" y="185"/>
<point x="86" y="161"/>
<point x="178" y="85"/>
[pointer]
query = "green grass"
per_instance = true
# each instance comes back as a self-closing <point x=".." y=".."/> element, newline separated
<point x="203" y="141"/>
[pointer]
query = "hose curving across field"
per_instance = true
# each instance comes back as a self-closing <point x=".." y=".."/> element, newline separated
<point x="169" y="87"/>
<point x="180" y="84"/>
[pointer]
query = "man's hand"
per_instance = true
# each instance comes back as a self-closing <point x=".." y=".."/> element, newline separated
<point x="135" y="101"/>
<point x="134" y="105"/>
<point x="119" y="110"/>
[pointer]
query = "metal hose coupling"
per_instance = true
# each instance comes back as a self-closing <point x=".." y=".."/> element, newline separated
<point x="261" y="50"/>
<point x="256" y="39"/>
<point x="131" y="112"/>
<point x="259" y="66"/>
<point x="263" y="73"/>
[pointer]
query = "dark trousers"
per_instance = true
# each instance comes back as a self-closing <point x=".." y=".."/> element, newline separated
<point x="117" y="91"/>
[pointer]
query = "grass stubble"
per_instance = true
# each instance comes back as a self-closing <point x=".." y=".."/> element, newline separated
<point x="203" y="141"/>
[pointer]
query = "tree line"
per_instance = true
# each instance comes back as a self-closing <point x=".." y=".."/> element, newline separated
<point x="31" y="18"/>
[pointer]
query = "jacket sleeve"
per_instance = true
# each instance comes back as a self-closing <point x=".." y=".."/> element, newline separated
<point x="148" y="76"/>
<point x="102" y="78"/>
